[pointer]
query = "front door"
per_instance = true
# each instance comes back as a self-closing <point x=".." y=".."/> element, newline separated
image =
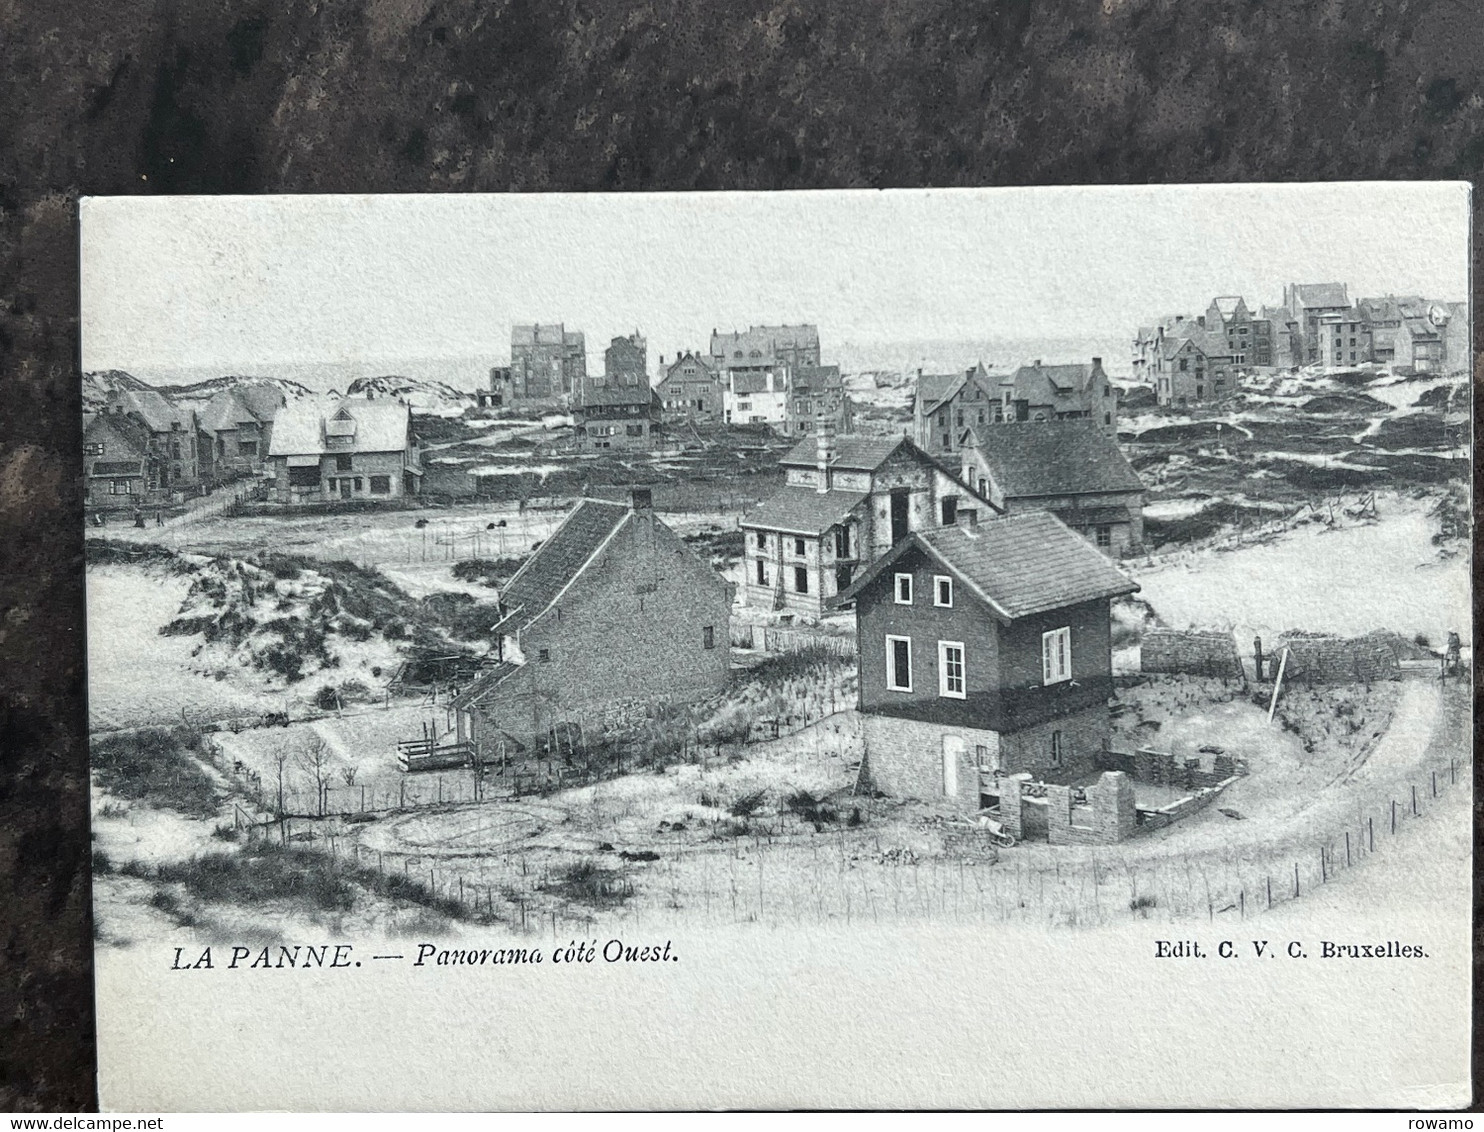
<point x="955" y="749"/>
<point x="899" y="501"/>
<point x="345" y="489"/>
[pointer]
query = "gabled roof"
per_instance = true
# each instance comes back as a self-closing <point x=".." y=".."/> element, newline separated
<point x="133" y="431"/>
<point x="484" y="683"/>
<point x="1227" y="304"/>
<point x="935" y="388"/>
<point x="156" y="410"/>
<point x="538" y="334"/>
<point x="558" y="561"/>
<point x="852" y="453"/>
<point x="810" y="378"/>
<point x="803" y="510"/>
<point x="1034" y="381"/>
<point x="1019" y="565"/>
<point x="380" y="425"/>
<point x="674" y="370"/>
<point x="1032" y="458"/>
<point x="257" y="403"/>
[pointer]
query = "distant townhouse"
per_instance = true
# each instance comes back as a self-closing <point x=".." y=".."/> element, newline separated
<point x="1343" y="339"/>
<point x="175" y="439"/>
<point x="1195" y="365"/>
<point x="755" y="396"/>
<point x="1076" y="391"/>
<point x="1288" y="337"/>
<point x="626" y="361"/>
<point x="1071" y="468"/>
<point x="985" y="651"/>
<point x="1413" y="334"/>
<point x="362" y="448"/>
<point x="238" y="422"/>
<point x="613" y="609"/>
<point x="1307" y="303"/>
<point x="499" y="391"/>
<point x="845" y="501"/>
<point x="547" y="361"/>
<point x="617" y="416"/>
<point x="119" y="467"/>
<point x="689" y="391"/>
<point x="1248" y="338"/>
<point x="817" y="395"/>
<point x="763" y="347"/>
<point x="945" y="404"/>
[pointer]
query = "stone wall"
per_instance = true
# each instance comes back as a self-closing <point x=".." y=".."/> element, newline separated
<point x="906" y="758"/>
<point x="1337" y="660"/>
<point x="1108" y="817"/>
<point x="1190" y="653"/>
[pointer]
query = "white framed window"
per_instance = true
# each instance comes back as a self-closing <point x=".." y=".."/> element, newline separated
<point x="902" y="589"/>
<point x="943" y="591"/>
<point x="951" y="669"/>
<point x="899" y="664"/>
<point x="1056" y="656"/>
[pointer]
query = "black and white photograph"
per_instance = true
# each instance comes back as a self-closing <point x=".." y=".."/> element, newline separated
<point x="909" y="634"/>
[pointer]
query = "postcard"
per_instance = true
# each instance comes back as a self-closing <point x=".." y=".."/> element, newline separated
<point x="992" y="648"/>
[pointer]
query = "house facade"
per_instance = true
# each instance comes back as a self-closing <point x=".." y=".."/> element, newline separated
<point x="362" y="448"/>
<point x="1069" y="468"/>
<point x="1307" y="303"/>
<point x="764" y="347"/>
<point x="175" y="437"/>
<point x="616" y="416"/>
<point x="1343" y="339"/>
<point x="1248" y="339"/>
<point x="547" y="361"/>
<point x="689" y="391"/>
<point x="817" y="395"/>
<point x="119" y="469"/>
<point x="1077" y="391"/>
<point x="1416" y="335"/>
<point x="1195" y="366"/>
<point x="612" y="582"/>
<point x="944" y="404"/>
<point x="755" y="396"/>
<point x="845" y="502"/>
<point x="238" y="423"/>
<point x="985" y="651"/>
<point x="626" y="361"/>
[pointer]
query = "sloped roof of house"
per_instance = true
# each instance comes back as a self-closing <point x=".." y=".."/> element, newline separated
<point x="1034" y="381"/>
<point x="803" y="510"/>
<point x="935" y="388"/>
<point x="759" y="345"/>
<point x="380" y="425"/>
<point x="1019" y="565"/>
<point x="675" y="369"/>
<point x="1275" y="314"/>
<point x="1227" y="304"/>
<point x="1034" y="458"/>
<point x="485" y="682"/>
<point x="257" y="403"/>
<point x="615" y="396"/>
<point x="852" y="453"/>
<point x="809" y="378"/>
<point x="558" y="561"/>
<point x="156" y="410"/>
<point x="1321" y="295"/>
<point x="131" y="428"/>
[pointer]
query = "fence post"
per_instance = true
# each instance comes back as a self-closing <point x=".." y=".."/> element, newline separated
<point x="1347" y="848"/>
<point x="1295" y="880"/>
<point x="1270" y="891"/>
<point x="1434" y="784"/>
<point x="1370" y="825"/>
<point x="1393" y="815"/>
<point x="1414" y="802"/>
<point x="1323" y="866"/>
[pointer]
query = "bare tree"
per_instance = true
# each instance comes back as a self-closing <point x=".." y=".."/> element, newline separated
<point x="316" y="763"/>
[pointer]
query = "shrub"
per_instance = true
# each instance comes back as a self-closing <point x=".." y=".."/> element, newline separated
<point x="157" y="764"/>
<point x="326" y="698"/>
<point x="748" y="805"/>
<point x="102" y="863"/>
<point x="588" y="882"/>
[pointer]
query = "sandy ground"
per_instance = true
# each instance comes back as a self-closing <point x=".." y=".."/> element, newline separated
<point x="1390" y="576"/>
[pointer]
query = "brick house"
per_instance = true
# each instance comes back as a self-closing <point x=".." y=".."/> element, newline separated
<point x="763" y="347"/>
<point x="984" y="651"/>
<point x="844" y="503"/>
<point x="626" y="361"/>
<point x="1410" y="333"/>
<point x="817" y="393"/>
<point x="944" y="404"/>
<point x="362" y="448"/>
<point x="613" y="609"/>
<point x="175" y="438"/>
<point x="1343" y="339"/>
<point x="1075" y="391"/>
<point x="547" y="361"/>
<point x="238" y="422"/>
<point x="689" y="391"/>
<point x="119" y="469"/>
<point x="1249" y="338"/>
<point x="1193" y="366"/>
<point x="1070" y="468"/>
<point x="1307" y="303"/>
<point x="616" y="416"/>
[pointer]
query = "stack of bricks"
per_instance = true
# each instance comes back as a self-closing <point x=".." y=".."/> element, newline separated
<point x="1190" y="653"/>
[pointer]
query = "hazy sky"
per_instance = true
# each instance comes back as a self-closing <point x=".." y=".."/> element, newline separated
<point x="243" y="282"/>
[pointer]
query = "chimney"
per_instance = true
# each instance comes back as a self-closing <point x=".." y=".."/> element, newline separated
<point x="642" y="499"/>
<point x="919" y="373"/>
<point x="1097" y="363"/>
<point x="824" y="449"/>
<point x="1036" y="364"/>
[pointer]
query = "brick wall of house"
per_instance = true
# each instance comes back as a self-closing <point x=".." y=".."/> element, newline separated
<point x="905" y="759"/>
<point x="362" y="464"/>
<point x="631" y="626"/>
<point x="1083" y="736"/>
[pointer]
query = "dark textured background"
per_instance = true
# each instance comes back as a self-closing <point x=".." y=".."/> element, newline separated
<point x="205" y="96"/>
